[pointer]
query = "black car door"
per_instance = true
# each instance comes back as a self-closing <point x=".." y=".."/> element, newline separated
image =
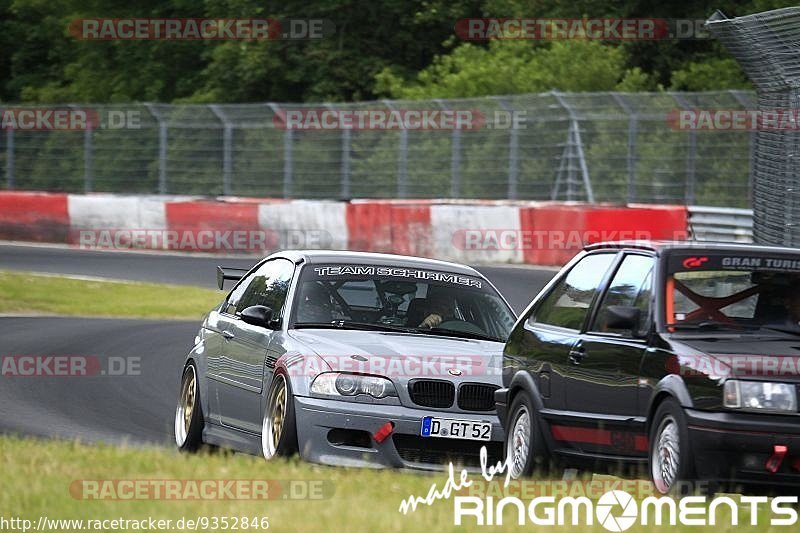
<point x="543" y="345"/>
<point x="247" y="347"/>
<point x="602" y="377"/>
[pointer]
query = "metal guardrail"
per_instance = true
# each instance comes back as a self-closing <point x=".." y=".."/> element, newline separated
<point x="721" y="224"/>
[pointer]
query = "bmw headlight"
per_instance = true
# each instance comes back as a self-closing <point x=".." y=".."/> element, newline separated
<point x="340" y="384"/>
<point x="760" y="396"/>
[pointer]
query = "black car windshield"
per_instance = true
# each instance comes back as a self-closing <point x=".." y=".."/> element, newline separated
<point x="414" y="300"/>
<point x="733" y="292"/>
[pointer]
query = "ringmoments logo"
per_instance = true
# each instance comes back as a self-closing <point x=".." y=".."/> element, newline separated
<point x="615" y="510"/>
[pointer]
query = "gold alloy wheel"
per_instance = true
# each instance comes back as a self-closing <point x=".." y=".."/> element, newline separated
<point x="186" y="406"/>
<point x="274" y="418"/>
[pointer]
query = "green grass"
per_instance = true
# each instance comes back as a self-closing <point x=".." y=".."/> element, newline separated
<point x="41" y="477"/>
<point x="37" y="476"/>
<point x="31" y="293"/>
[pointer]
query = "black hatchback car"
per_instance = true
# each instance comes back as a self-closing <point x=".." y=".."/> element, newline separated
<point x="678" y="357"/>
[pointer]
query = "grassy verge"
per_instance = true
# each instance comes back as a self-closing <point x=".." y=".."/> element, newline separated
<point x="59" y="480"/>
<point x="30" y="293"/>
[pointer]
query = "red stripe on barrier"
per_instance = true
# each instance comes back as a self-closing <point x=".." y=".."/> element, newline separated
<point x="32" y="216"/>
<point x="560" y="231"/>
<point x="233" y="227"/>
<point x="390" y="227"/>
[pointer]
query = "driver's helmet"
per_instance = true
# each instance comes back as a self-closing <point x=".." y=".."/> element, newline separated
<point x="314" y="304"/>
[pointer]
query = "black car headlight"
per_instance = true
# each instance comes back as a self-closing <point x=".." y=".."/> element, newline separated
<point x="760" y="396"/>
<point x="341" y="384"/>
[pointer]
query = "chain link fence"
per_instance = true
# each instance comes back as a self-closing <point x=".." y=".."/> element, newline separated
<point x="767" y="46"/>
<point x="597" y="147"/>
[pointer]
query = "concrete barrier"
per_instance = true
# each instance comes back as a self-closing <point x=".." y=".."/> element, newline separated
<point x="543" y="233"/>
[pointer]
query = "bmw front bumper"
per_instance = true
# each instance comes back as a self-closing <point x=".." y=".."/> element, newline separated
<point x="342" y="433"/>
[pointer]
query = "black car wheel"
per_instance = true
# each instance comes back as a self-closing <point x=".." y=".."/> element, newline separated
<point x="671" y="465"/>
<point x="278" y="431"/>
<point x="524" y="446"/>
<point x="188" y="414"/>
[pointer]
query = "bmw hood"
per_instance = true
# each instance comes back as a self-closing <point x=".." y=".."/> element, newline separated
<point x="402" y="357"/>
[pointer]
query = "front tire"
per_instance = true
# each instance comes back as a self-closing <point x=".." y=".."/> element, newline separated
<point x="189" y="413"/>
<point x="278" y="430"/>
<point x="524" y="445"/>
<point x="671" y="466"/>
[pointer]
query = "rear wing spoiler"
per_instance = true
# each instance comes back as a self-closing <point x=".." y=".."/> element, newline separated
<point x="226" y="273"/>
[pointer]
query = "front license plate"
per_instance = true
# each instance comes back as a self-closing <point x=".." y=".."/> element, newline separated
<point x="455" y="429"/>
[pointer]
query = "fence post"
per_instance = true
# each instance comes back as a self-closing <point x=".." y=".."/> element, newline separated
<point x="162" y="148"/>
<point x="345" y="164"/>
<point x="513" y="152"/>
<point x="88" y="158"/>
<point x="344" y="167"/>
<point x="288" y="162"/>
<point x="402" y="158"/>
<point x="227" y="148"/>
<point x="691" y="156"/>
<point x="10" y="158"/>
<point x="631" y="159"/>
<point x="455" y="157"/>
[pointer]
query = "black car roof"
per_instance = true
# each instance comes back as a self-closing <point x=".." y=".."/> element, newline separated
<point x="664" y="246"/>
<point x="371" y="258"/>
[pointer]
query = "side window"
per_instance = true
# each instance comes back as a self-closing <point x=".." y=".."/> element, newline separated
<point x="568" y="302"/>
<point x="269" y="286"/>
<point x="631" y="287"/>
<point x="236" y="294"/>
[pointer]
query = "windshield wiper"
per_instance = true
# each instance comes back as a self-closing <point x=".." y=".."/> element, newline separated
<point x="349" y="324"/>
<point x="460" y="334"/>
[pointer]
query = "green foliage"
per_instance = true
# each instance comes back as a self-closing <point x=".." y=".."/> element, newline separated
<point x="719" y="73"/>
<point x="394" y="47"/>
<point x="514" y="67"/>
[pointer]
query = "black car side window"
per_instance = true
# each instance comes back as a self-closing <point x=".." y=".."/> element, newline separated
<point x="630" y="287"/>
<point x="269" y="286"/>
<point x="568" y="302"/>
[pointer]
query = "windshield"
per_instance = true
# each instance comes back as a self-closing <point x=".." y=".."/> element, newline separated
<point x="733" y="293"/>
<point x="401" y="299"/>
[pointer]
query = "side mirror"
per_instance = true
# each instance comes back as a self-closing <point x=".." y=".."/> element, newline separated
<point x="258" y="315"/>
<point x="623" y="317"/>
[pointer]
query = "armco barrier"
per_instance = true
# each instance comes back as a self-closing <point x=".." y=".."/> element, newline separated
<point x="546" y="233"/>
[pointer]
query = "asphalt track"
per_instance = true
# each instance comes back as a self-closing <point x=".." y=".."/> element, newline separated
<point x="136" y="407"/>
